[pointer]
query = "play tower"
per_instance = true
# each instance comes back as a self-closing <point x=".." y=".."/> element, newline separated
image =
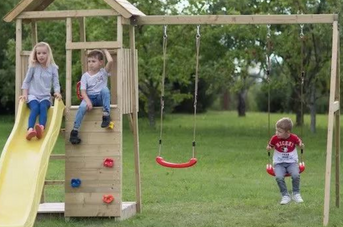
<point x="93" y="169"/>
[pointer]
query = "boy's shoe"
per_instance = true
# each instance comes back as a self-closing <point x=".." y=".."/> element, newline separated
<point x="30" y="134"/>
<point x="297" y="198"/>
<point x="39" y="130"/>
<point x="105" y="121"/>
<point x="74" y="139"/>
<point x="285" y="199"/>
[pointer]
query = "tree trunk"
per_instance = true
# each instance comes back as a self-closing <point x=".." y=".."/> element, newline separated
<point x="313" y="108"/>
<point x="241" y="102"/>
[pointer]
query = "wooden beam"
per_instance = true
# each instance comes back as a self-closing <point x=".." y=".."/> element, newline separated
<point x="63" y="14"/>
<point x="120" y="9"/>
<point x="238" y="19"/>
<point x="83" y="38"/>
<point x="68" y="63"/>
<point x="334" y="60"/>
<point x="18" y="48"/>
<point x="22" y="5"/>
<point x="338" y="127"/>
<point x="135" y="118"/>
<point x="34" y="37"/>
<point x="93" y="45"/>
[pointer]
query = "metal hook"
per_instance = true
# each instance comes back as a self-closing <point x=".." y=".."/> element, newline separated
<point x="165" y="31"/>
<point x="268" y="30"/>
<point x="302" y="30"/>
<point x="198" y="31"/>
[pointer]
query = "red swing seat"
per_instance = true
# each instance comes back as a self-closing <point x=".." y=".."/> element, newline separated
<point x="270" y="169"/>
<point x="164" y="163"/>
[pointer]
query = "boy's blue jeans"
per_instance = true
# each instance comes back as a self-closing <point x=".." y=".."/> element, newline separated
<point x="280" y="171"/>
<point x="102" y="99"/>
<point x="38" y="108"/>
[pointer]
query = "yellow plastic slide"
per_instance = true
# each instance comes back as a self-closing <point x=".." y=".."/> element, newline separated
<point x="23" y="166"/>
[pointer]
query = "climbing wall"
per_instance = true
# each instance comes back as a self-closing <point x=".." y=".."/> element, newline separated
<point x="90" y="179"/>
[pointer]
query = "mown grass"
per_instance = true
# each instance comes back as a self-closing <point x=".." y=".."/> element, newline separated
<point x="228" y="187"/>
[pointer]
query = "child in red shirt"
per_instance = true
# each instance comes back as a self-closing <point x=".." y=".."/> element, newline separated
<point x="285" y="159"/>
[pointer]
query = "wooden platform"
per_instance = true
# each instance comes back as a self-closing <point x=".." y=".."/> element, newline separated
<point x="128" y="209"/>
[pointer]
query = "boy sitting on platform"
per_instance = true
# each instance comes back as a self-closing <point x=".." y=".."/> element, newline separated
<point x="94" y="91"/>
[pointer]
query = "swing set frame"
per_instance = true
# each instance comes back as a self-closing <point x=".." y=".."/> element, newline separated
<point x="333" y="131"/>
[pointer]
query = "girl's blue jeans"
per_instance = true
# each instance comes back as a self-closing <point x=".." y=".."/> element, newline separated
<point x="102" y="99"/>
<point x="38" y="108"/>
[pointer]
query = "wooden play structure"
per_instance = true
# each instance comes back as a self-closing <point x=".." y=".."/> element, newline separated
<point x="84" y="164"/>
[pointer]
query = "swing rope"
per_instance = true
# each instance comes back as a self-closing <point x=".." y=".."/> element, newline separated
<point x="197" y="45"/>
<point x="268" y="79"/>
<point x="302" y="41"/>
<point x="193" y="160"/>
<point x="165" y="42"/>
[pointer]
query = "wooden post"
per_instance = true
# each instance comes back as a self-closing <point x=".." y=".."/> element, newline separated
<point x="337" y="127"/>
<point x="68" y="63"/>
<point x="135" y="118"/>
<point x="83" y="58"/>
<point x="333" y="107"/>
<point x="34" y="37"/>
<point x="18" y="48"/>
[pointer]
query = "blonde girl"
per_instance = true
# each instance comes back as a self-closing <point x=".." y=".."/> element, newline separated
<point x="40" y="77"/>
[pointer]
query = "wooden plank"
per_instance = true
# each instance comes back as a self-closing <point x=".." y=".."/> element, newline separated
<point x="18" y="48"/>
<point x="338" y="127"/>
<point x="82" y="32"/>
<point x="96" y="186"/>
<point x="334" y="60"/>
<point x="50" y="208"/>
<point x="91" y="205"/>
<point x="135" y="123"/>
<point x="92" y="175"/>
<point x="92" y="45"/>
<point x="94" y="115"/>
<point x="99" y="138"/>
<point x="22" y="5"/>
<point x="237" y="19"/>
<point x="120" y="9"/>
<point x="63" y="14"/>
<point x="131" y="8"/>
<point x="69" y="39"/>
<point x="92" y="150"/>
<point x="128" y="209"/>
<point x="93" y="162"/>
<point x="34" y="37"/>
<point x="95" y="126"/>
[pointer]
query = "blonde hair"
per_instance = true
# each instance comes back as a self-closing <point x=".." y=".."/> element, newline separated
<point x="33" y="56"/>
<point x="284" y="123"/>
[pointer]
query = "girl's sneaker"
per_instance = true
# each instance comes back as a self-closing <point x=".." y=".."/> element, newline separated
<point x="30" y="134"/>
<point x="39" y="130"/>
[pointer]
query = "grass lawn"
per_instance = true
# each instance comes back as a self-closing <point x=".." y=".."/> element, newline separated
<point x="228" y="187"/>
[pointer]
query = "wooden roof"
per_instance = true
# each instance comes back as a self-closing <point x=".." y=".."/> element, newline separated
<point x="123" y="7"/>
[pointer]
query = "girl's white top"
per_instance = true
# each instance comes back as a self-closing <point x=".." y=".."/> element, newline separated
<point x="39" y="80"/>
